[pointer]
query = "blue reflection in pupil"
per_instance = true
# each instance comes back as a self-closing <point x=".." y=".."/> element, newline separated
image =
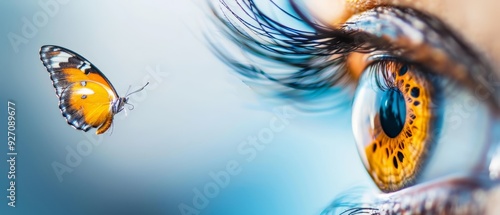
<point x="392" y="112"/>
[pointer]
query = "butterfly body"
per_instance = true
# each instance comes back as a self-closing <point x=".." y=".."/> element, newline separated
<point x="86" y="97"/>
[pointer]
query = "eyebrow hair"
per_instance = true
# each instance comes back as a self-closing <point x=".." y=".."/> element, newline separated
<point x="316" y="56"/>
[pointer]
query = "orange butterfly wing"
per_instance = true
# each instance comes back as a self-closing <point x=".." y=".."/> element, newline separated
<point x="86" y="97"/>
<point x="87" y="104"/>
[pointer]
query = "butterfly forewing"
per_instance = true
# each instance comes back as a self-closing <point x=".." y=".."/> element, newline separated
<point x="85" y="95"/>
<point x="66" y="67"/>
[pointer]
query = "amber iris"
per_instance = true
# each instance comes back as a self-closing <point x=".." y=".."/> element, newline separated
<point x="399" y="135"/>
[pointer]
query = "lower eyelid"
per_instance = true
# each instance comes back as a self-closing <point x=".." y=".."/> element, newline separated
<point x="450" y="196"/>
<point x="465" y="195"/>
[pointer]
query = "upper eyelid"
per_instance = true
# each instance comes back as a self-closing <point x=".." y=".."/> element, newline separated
<point x="426" y="41"/>
<point x="405" y="33"/>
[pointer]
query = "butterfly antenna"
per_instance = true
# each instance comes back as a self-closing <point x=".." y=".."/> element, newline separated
<point x="138" y="90"/>
<point x="130" y="108"/>
<point x="128" y="90"/>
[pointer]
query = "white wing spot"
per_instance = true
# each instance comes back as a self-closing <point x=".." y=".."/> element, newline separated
<point x="84" y="91"/>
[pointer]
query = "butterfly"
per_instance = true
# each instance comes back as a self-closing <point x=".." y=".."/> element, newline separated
<point x="87" y="99"/>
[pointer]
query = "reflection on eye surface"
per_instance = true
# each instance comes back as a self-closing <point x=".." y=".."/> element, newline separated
<point x="412" y="145"/>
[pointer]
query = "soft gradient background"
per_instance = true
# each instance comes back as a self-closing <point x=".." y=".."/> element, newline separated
<point x="183" y="126"/>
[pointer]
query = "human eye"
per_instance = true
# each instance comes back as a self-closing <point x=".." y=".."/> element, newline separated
<point x="424" y="102"/>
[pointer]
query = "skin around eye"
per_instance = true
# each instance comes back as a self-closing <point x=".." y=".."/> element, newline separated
<point x="472" y="19"/>
<point x="393" y="122"/>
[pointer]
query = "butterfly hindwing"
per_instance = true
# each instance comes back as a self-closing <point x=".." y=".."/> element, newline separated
<point x="83" y="105"/>
<point x="86" y="96"/>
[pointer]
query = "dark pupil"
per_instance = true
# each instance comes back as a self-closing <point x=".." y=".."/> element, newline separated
<point x="392" y="112"/>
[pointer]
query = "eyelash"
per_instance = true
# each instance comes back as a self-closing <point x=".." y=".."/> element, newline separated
<point x="307" y="53"/>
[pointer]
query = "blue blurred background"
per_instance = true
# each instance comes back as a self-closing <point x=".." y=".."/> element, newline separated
<point x="189" y="122"/>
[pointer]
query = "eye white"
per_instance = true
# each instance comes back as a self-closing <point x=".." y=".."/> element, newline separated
<point x="464" y="136"/>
